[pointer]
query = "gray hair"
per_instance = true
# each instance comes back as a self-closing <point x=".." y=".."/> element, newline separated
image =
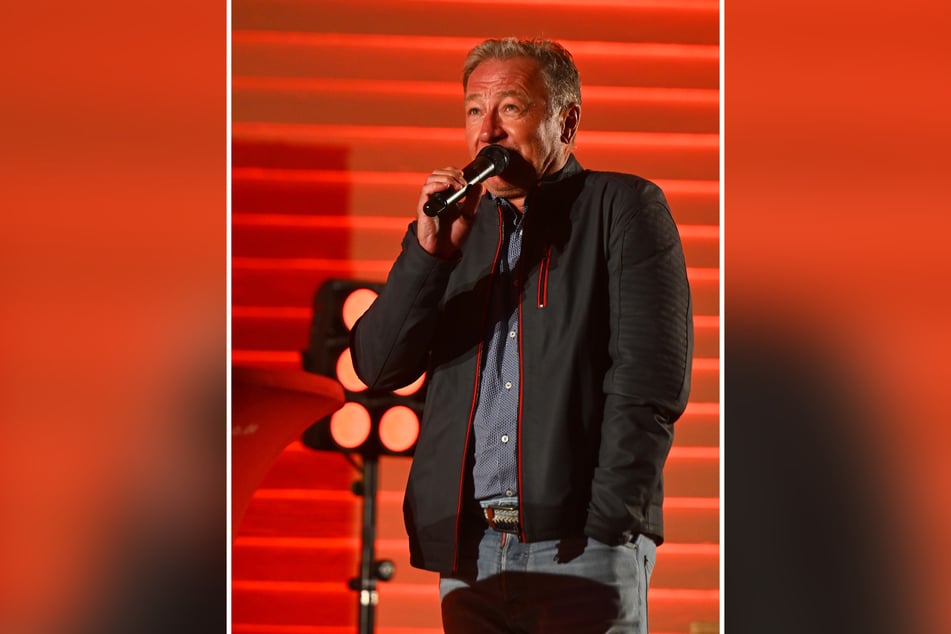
<point x="557" y="66"/>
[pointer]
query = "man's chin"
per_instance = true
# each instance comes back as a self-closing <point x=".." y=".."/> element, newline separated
<point x="501" y="188"/>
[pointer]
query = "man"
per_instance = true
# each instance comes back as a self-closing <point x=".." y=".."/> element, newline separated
<point x="553" y="316"/>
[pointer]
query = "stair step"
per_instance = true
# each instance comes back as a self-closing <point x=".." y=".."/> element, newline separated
<point x="699" y="426"/>
<point x="394" y="194"/>
<point x="368" y="238"/>
<point x="439" y="104"/>
<point x="337" y="515"/>
<point x="426" y="58"/>
<point x="418" y="149"/>
<point x="694" y="566"/>
<point x="687" y="22"/>
<point x="306" y="513"/>
<point x="417" y="605"/>
<point x="705" y="381"/>
<point x="288" y="328"/>
<point x="299" y="467"/>
<point x="293" y="499"/>
<point x="285" y="282"/>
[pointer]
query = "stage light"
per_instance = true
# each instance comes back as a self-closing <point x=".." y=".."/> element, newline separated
<point x="350" y="425"/>
<point x="413" y="387"/>
<point x="371" y="423"/>
<point x="388" y="422"/>
<point x="399" y="429"/>
<point x="356" y="304"/>
<point x="347" y="375"/>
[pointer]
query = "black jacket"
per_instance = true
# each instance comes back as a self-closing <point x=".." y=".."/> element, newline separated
<point x="605" y="343"/>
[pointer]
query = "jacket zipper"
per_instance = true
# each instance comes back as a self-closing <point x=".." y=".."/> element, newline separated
<point x="518" y="419"/>
<point x="475" y="400"/>
<point x="543" y="278"/>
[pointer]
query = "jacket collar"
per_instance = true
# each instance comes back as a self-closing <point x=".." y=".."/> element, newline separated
<point x="571" y="168"/>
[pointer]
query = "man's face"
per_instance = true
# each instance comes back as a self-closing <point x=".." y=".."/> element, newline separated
<point x="506" y="103"/>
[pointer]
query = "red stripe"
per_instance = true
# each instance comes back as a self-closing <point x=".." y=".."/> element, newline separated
<point x="521" y="391"/>
<point x="450" y="89"/>
<point x="410" y="179"/>
<point x="452" y="45"/>
<point x="311" y="133"/>
<point x="543" y="279"/>
<point x="358" y="223"/>
<point x="541" y="283"/>
<point x="518" y="420"/>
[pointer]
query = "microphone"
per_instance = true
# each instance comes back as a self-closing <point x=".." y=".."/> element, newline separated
<point x="491" y="160"/>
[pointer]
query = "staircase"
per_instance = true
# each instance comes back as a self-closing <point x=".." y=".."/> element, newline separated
<point x="340" y="110"/>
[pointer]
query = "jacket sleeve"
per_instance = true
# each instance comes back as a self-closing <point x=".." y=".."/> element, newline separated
<point x="648" y="380"/>
<point x="391" y="342"/>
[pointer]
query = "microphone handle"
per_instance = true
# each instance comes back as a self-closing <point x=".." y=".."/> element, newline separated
<point x="440" y="201"/>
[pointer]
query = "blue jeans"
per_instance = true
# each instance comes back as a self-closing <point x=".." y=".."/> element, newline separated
<point x="569" y="586"/>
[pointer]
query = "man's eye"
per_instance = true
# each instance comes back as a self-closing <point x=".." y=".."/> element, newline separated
<point x="510" y="108"/>
<point x="473" y="112"/>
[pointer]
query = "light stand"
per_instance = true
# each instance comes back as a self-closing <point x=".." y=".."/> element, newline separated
<point x="370" y="423"/>
<point x="370" y="569"/>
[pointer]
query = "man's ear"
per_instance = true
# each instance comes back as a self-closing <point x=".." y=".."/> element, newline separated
<point x="571" y="118"/>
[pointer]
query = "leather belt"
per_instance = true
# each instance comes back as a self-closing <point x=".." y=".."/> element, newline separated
<point x="502" y="518"/>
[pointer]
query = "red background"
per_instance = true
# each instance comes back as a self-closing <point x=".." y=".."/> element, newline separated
<point x="114" y="271"/>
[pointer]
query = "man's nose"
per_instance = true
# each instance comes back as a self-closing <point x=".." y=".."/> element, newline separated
<point x="491" y="131"/>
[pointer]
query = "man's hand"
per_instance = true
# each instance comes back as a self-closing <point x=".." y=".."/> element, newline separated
<point x="444" y="235"/>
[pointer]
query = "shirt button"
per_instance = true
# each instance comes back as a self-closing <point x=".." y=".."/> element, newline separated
<point x="505" y="437"/>
<point x="509" y="492"/>
<point x="508" y="385"/>
<point x="512" y="334"/>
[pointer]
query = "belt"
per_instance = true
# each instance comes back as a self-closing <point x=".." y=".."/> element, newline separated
<point x="502" y="518"/>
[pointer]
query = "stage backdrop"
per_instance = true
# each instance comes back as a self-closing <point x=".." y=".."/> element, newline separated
<point x="340" y="110"/>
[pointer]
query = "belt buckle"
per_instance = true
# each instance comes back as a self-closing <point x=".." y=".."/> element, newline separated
<point x="502" y="518"/>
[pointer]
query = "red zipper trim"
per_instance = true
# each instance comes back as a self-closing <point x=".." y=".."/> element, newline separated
<point x="475" y="400"/>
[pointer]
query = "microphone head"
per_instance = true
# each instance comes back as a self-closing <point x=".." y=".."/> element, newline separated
<point x="498" y="155"/>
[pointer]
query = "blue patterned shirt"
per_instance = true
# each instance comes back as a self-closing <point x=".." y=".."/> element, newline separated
<point x="496" y="418"/>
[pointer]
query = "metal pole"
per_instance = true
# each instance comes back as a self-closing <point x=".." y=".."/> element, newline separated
<point x="367" y="581"/>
